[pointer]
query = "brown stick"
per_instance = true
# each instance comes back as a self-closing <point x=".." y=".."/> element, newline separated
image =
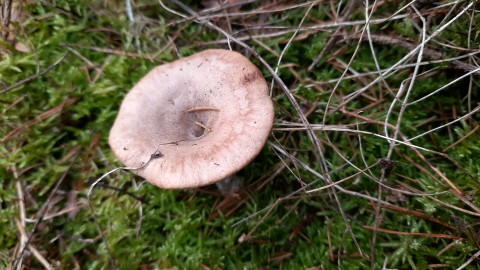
<point x="435" y="235"/>
<point x="196" y="109"/>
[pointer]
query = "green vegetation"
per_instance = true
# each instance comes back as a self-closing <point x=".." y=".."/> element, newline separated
<point x="54" y="128"/>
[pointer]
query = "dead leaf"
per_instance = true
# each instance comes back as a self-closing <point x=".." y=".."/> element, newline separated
<point x="21" y="47"/>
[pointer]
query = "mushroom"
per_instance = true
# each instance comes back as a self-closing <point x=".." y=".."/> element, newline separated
<point x="194" y="121"/>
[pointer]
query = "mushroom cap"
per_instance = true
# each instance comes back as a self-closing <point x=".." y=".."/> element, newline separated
<point x="231" y="119"/>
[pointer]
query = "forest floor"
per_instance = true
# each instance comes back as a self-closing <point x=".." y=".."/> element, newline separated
<point x="372" y="162"/>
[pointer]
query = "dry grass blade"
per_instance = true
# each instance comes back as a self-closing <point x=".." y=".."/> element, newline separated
<point x="394" y="67"/>
<point x="272" y="84"/>
<point x="470" y="260"/>
<point x="43" y="210"/>
<point x="198" y="109"/>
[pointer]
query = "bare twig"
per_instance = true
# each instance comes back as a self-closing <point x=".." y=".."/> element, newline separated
<point x="33" y="77"/>
<point x="45" y="115"/>
<point x="106" y="50"/>
<point x="205" y="108"/>
<point x="462" y="139"/>
<point x="394" y="67"/>
<point x="434" y="235"/>
<point x="409" y="45"/>
<point x="203" y="126"/>
<point x="155" y="155"/>
<point x="474" y="111"/>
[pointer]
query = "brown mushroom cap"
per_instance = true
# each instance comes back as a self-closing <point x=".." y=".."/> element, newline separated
<point x="208" y="115"/>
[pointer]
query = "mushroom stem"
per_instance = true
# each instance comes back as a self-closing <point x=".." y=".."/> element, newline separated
<point x="231" y="185"/>
<point x="203" y="126"/>
<point x="196" y="109"/>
